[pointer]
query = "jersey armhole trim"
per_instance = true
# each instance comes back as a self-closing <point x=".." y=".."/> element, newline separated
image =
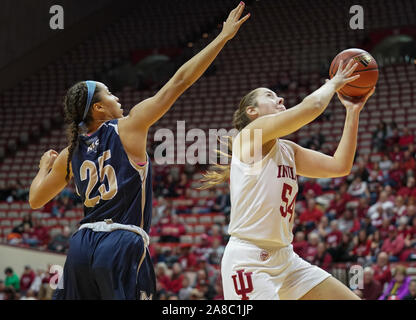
<point x="264" y="159"/>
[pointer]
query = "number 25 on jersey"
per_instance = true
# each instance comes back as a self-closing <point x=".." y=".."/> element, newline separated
<point x="89" y="170"/>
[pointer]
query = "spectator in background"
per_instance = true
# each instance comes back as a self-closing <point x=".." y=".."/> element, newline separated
<point x="300" y="245"/>
<point x="398" y="288"/>
<point x="41" y="232"/>
<point x="396" y="154"/>
<point x="382" y="272"/>
<point x="37" y="281"/>
<point x="216" y="252"/>
<point x="385" y="165"/>
<point x="343" y="252"/>
<point x="171" y="229"/>
<point x="336" y="206"/>
<point x="182" y="185"/>
<point x="170" y="187"/>
<point x="396" y="175"/>
<point x="412" y="291"/>
<point x="362" y="247"/>
<point x="384" y="203"/>
<point x="311" y="184"/>
<point x="399" y="208"/>
<point x="408" y="162"/>
<point x="406" y="138"/>
<point x="311" y="216"/>
<point x="379" y="137"/>
<point x="26" y="279"/>
<point x="29" y="237"/>
<point x="323" y="228"/>
<point x="27" y="219"/>
<point x="372" y="288"/>
<point x="185" y="291"/>
<point x="334" y="238"/>
<point x="375" y="182"/>
<point x="176" y="278"/>
<point x="312" y="248"/>
<point x="408" y="190"/>
<point x="12" y="279"/>
<point x="29" y="295"/>
<point x="362" y="208"/>
<point x="322" y="258"/>
<point x="60" y="243"/>
<point x="362" y="170"/>
<point x="349" y="222"/>
<point x="2" y="288"/>
<point x="376" y="243"/>
<point x="187" y="258"/>
<point x="162" y="277"/>
<point x="393" y="245"/>
<point x="359" y="188"/>
<point x="222" y="204"/>
<point x="22" y="193"/>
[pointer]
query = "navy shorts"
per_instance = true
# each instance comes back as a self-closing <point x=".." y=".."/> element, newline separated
<point x="107" y="265"/>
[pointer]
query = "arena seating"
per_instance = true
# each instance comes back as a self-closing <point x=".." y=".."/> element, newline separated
<point x="260" y="56"/>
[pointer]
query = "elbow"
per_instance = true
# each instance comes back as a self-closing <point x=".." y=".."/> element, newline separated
<point x="34" y="204"/>
<point x="181" y="83"/>
<point x="343" y="171"/>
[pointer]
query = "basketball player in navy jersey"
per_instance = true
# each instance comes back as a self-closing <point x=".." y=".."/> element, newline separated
<point x="106" y="156"/>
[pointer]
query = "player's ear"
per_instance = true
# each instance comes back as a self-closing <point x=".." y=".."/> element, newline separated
<point x="252" y="111"/>
<point x="98" y="107"/>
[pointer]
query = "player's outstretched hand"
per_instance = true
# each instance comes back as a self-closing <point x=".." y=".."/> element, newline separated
<point x="343" y="75"/>
<point x="355" y="103"/>
<point x="233" y="23"/>
<point x="47" y="160"/>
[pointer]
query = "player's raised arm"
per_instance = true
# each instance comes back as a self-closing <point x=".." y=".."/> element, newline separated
<point x="281" y="124"/>
<point x="146" y="113"/>
<point x="313" y="164"/>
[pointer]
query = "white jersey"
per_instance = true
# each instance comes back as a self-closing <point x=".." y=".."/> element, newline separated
<point x="263" y="202"/>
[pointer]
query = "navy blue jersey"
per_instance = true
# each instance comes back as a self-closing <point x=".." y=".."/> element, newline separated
<point x="109" y="184"/>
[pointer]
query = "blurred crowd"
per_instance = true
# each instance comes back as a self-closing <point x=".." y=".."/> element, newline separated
<point x="367" y="218"/>
<point x="30" y="285"/>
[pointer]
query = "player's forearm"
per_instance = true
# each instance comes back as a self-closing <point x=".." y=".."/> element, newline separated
<point x="324" y="94"/>
<point x="192" y="70"/>
<point x="344" y="155"/>
<point x="37" y="181"/>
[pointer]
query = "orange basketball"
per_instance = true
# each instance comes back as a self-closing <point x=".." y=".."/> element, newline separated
<point x="367" y="69"/>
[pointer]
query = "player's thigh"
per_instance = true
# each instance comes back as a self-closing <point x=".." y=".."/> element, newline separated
<point x="243" y="275"/>
<point x="330" y="289"/>
<point x="301" y="277"/>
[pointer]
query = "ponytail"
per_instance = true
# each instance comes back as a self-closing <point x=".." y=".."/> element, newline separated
<point x="74" y="108"/>
<point x="221" y="173"/>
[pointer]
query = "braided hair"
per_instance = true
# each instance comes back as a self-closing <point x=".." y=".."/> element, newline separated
<point x="74" y="107"/>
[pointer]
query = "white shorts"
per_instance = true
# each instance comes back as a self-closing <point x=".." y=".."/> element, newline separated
<point x="251" y="272"/>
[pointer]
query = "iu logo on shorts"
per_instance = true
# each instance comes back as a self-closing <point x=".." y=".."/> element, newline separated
<point x="240" y="288"/>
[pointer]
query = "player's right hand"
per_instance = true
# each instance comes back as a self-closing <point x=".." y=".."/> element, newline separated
<point x="343" y="75"/>
<point x="47" y="160"/>
<point x="234" y="22"/>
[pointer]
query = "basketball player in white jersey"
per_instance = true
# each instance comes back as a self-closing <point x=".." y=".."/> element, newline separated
<point x="259" y="261"/>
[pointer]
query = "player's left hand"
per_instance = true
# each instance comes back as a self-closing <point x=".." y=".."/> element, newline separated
<point x="234" y="22"/>
<point x="47" y="160"/>
<point x="355" y="104"/>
